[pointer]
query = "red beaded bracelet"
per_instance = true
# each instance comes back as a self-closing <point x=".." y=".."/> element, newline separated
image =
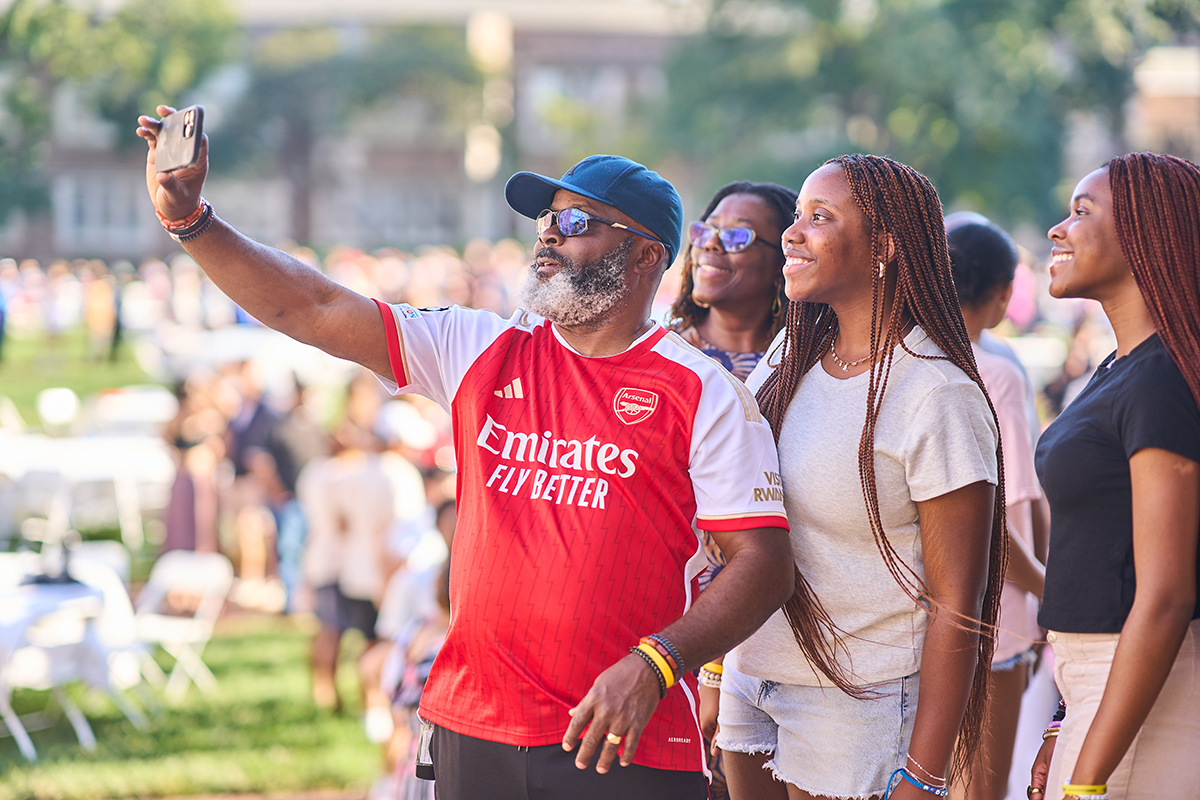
<point x="187" y="222"/>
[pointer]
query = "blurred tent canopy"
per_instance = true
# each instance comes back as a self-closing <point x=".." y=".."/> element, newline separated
<point x="977" y="94"/>
<point x="145" y="53"/>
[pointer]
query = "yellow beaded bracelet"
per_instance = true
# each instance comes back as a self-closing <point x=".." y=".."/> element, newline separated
<point x="660" y="662"/>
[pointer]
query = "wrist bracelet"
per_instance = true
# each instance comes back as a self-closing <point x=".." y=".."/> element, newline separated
<point x="713" y="666"/>
<point x="1085" y="790"/>
<point x="195" y="233"/>
<point x="664" y="646"/>
<point x="662" y="681"/>
<point x="936" y="791"/>
<point x="660" y="662"/>
<point x="709" y="678"/>
<point x="1049" y="733"/>
<point x="187" y="222"/>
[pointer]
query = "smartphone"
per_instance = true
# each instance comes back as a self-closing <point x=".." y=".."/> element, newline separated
<point x="179" y="136"/>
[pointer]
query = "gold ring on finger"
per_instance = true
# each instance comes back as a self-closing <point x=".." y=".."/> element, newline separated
<point x="612" y="738"/>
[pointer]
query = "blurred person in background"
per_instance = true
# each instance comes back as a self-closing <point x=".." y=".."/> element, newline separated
<point x="250" y="429"/>
<point x="100" y="310"/>
<point x="1121" y="468"/>
<point x="593" y="280"/>
<point x="874" y="677"/>
<point x="730" y="306"/>
<point x="197" y="439"/>
<point x="983" y="260"/>
<point x="348" y="501"/>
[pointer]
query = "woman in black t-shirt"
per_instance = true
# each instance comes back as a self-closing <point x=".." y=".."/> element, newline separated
<point x="1121" y="469"/>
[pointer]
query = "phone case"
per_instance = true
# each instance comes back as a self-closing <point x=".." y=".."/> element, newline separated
<point x="179" y="136"/>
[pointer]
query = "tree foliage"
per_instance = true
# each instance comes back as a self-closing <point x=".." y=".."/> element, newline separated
<point x="974" y="93"/>
<point x="147" y="52"/>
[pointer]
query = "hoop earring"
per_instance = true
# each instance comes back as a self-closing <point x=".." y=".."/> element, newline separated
<point x="777" y="306"/>
<point x="881" y="268"/>
<point x="698" y="303"/>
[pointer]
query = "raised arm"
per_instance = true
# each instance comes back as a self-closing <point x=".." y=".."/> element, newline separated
<point x="1166" y="517"/>
<point x="276" y="289"/>
<point x="756" y="581"/>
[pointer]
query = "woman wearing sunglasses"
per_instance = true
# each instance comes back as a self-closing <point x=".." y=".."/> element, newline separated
<point x="1121" y="468"/>
<point x="730" y="306"/>
<point x="889" y="458"/>
<point x="731" y="302"/>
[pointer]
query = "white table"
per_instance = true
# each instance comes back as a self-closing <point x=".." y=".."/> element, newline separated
<point x="54" y="618"/>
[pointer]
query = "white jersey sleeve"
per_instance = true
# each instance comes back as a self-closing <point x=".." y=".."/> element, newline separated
<point x="431" y="349"/>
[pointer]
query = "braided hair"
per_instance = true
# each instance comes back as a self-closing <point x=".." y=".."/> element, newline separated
<point x="781" y="202"/>
<point x="1156" y="208"/>
<point x="895" y="200"/>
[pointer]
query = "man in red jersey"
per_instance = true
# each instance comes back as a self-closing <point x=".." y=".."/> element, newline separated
<point x="591" y="443"/>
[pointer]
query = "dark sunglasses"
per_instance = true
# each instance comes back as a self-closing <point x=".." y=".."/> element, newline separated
<point x="572" y="222"/>
<point x="733" y="239"/>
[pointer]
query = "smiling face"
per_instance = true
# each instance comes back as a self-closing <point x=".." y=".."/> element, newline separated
<point x="749" y="275"/>
<point x="828" y="246"/>
<point x="1086" y="260"/>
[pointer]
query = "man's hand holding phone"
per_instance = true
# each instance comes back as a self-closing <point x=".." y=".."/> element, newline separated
<point x="176" y="193"/>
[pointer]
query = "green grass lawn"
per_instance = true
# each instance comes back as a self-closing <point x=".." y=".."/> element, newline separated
<point x="259" y="733"/>
<point x="29" y="365"/>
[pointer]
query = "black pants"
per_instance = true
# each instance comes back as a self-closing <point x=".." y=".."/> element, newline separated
<point x="474" y="769"/>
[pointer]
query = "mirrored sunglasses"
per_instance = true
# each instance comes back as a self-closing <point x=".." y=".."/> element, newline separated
<point x="733" y="239"/>
<point x="572" y="222"/>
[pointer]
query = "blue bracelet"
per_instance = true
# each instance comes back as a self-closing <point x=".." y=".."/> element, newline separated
<point x="934" y="790"/>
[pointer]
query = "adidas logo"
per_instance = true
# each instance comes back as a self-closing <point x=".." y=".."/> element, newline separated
<point x="512" y="390"/>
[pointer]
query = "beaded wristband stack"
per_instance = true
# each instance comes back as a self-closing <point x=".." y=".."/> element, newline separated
<point x="190" y="227"/>
<point x="710" y="675"/>
<point x="663" y="658"/>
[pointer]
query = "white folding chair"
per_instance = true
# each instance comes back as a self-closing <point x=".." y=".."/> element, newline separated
<point x="208" y="576"/>
<point x="113" y="636"/>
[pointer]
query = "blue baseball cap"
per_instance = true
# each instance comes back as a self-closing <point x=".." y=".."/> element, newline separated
<point x="642" y="194"/>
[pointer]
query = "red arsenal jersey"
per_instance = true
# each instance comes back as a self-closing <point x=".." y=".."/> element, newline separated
<point x="580" y="480"/>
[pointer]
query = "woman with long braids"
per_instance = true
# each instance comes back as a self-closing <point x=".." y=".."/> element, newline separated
<point x="890" y="473"/>
<point x="731" y="304"/>
<point x="1121" y="468"/>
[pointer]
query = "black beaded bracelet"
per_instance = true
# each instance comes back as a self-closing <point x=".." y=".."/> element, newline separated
<point x="195" y="230"/>
<point x="199" y="230"/>
<point x="679" y="668"/>
<point x="662" y="680"/>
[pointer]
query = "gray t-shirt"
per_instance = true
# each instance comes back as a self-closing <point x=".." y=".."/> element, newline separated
<point x="934" y="434"/>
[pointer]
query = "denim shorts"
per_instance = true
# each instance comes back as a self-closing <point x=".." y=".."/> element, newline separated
<point x="825" y="742"/>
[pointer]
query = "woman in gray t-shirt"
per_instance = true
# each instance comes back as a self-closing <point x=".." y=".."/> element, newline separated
<point x="889" y="461"/>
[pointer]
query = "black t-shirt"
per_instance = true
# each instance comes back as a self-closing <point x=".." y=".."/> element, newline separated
<point x="1083" y="463"/>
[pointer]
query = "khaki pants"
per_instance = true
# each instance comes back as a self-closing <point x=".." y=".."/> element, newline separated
<point x="1164" y="759"/>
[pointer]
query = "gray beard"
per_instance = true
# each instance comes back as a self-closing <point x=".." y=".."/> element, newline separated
<point x="579" y="293"/>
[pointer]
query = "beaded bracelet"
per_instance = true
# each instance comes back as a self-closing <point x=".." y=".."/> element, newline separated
<point x="709" y="678"/>
<point x="192" y="226"/>
<point x="187" y="222"/>
<point x="673" y="657"/>
<point x="660" y="661"/>
<point x="198" y="231"/>
<point x="936" y="791"/>
<point x="930" y="775"/>
<point x="662" y="681"/>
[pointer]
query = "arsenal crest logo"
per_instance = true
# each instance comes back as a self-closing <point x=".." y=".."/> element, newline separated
<point x="634" y="405"/>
